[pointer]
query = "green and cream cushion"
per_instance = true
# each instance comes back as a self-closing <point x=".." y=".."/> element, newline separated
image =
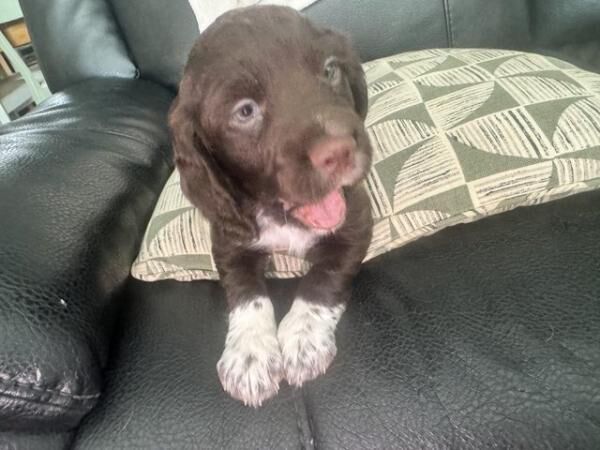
<point x="457" y="135"/>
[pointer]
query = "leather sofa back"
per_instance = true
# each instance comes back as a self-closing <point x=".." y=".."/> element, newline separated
<point x="78" y="39"/>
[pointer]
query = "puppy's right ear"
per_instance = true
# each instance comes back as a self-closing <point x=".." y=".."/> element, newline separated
<point x="203" y="181"/>
<point x="358" y="85"/>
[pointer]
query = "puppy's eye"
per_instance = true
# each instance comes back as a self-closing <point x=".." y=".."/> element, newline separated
<point x="246" y="111"/>
<point x="332" y="71"/>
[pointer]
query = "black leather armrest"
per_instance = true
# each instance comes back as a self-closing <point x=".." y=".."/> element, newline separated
<point x="78" y="180"/>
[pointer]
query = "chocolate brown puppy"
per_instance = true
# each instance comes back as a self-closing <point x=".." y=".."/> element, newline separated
<point x="269" y="138"/>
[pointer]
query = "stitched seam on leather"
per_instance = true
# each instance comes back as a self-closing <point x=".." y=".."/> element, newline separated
<point x="16" y="384"/>
<point x="449" y="29"/>
<point x="303" y="423"/>
<point x="123" y="40"/>
<point x="452" y="37"/>
<point x="299" y="425"/>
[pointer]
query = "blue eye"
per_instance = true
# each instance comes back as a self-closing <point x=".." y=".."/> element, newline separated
<point x="332" y="71"/>
<point x="246" y="111"/>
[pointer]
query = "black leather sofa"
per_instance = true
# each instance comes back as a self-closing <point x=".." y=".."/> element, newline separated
<point x="484" y="335"/>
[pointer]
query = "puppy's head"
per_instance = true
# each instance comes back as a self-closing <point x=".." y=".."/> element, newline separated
<point x="271" y="109"/>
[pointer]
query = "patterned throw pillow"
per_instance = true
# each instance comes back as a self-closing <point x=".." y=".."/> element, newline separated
<point x="457" y="135"/>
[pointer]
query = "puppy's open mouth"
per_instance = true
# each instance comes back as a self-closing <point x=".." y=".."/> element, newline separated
<point x="327" y="214"/>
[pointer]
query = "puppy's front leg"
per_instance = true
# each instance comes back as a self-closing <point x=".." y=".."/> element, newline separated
<point x="307" y="332"/>
<point x="250" y="368"/>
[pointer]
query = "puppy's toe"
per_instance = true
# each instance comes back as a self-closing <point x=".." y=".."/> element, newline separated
<point x="251" y="371"/>
<point x="307" y="340"/>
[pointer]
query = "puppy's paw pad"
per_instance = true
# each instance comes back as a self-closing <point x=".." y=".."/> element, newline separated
<point x="307" y="340"/>
<point x="251" y="369"/>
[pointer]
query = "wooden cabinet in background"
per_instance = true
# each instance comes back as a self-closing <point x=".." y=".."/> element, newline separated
<point x="16" y="33"/>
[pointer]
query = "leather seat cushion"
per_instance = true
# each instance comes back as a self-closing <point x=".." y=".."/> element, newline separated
<point x="482" y="335"/>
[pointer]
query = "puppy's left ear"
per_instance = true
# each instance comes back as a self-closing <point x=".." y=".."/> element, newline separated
<point x="352" y="68"/>
<point x="358" y="86"/>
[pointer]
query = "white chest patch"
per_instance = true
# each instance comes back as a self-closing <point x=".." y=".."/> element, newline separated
<point x="287" y="238"/>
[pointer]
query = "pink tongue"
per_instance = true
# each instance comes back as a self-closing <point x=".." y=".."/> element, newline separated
<point x="326" y="214"/>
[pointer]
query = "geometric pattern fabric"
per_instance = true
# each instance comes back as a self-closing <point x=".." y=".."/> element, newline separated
<point x="457" y="135"/>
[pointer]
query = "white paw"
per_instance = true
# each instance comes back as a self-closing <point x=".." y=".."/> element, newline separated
<point x="307" y="340"/>
<point x="250" y="368"/>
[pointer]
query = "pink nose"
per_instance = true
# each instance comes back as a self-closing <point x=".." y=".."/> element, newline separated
<point x="332" y="155"/>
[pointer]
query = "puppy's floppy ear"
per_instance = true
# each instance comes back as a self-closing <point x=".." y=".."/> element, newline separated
<point x="352" y="68"/>
<point x="358" y="85"/>
<point x="203" y="181"/>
